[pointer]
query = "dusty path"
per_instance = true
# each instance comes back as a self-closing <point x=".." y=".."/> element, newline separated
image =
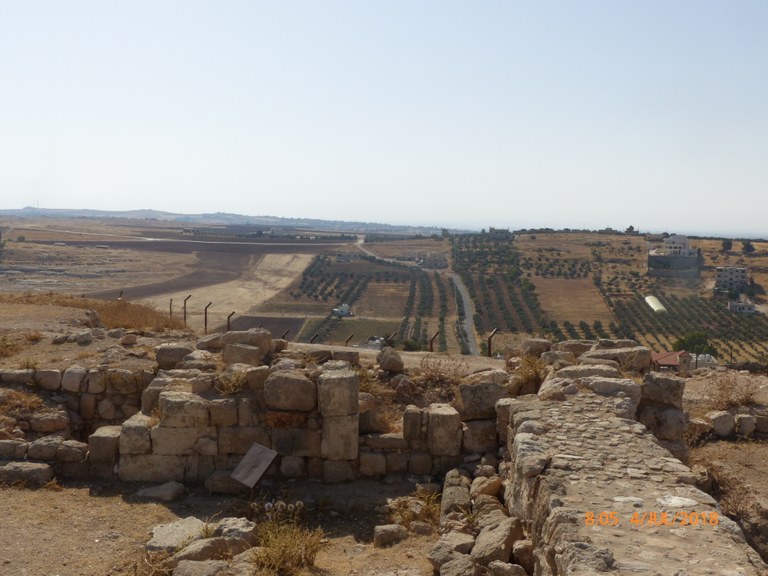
<point x="261" y="278"/>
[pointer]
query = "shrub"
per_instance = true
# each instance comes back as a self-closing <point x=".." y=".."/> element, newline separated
<point x="8" y="347"/>
<point x="731" y="392"/>
<point x="230" y="382"/>
<point x="531" y="371"/>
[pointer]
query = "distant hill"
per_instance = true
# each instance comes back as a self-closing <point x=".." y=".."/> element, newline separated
<point x="223" y="218"/>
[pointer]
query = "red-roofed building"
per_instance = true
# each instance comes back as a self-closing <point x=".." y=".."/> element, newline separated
<point x="671" y="361"/>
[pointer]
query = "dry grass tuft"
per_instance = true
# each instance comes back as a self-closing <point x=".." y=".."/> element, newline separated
<point x="8" y="346"/>
<point x="230" y="382"/>
<point x="33" y="337"/>
<point x="435" y="368"/>
<point x="16" y="403"/>
<point x="149" y="565"/>
<point x="284" y="546"/>
<point x="53" y="485"/>
<point x="531" y="372"/>
<point x="732" y="392"/>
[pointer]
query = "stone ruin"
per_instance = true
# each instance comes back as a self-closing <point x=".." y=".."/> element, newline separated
<point x="578" y="475"/>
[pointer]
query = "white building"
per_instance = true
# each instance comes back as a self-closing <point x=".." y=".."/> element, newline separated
<point x="675" y="245"/>
<point x="730" y="278"/>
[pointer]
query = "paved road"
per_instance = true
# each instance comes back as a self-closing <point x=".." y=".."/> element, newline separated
<point x="469" y="314"/>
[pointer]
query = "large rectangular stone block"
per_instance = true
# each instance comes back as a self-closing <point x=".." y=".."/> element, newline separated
<point x="337" y="393"/>
<point x="224" y="412"/>
<point x="479" y="437"/>
<point x="290" y="390"/>
<point x="239" y="440"/>
<point x="296" y="442"/>
<point x="182" y="410"/>
<point x="73" y="378"/>
<point x="444" y="430"/>
<point x="103" y="445"/>
<point x="340" y="437"/>
<point x="411" y="423"/>
<point x="178" y="441"/>
<point x="151" y="468"/>
<point x="134" y="435"/>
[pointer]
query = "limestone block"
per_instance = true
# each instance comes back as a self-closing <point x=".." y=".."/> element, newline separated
<point x="290" y="390"/>
<point x="479" y="436"/>
<point x="73" y="378"/>
<point x="723" y="424"/>
<point x="150" y="396"/>
<point x="388" y="534"/>
<point x="397" y="463"/>
<point x="96" y="381"/>
<point x="206" y="446"/>
<point x="745" y="424"/>
<point x="637" y="358"/>
<point x="338" y="471"/>
<point x="48" y="379"/>
<point x="614" y="387"/>
<point x="556" y="388"/>
<point x="258" y="337"/>
<point x="411" y="423"/>
<point x="244" y="412"/>
<point x="242" y="354"/>
<point x="178" y="441"/>
<point x="420" y="464"/>
<point x="44" y="448"/>
<point x="26" y="376"/>
<point x="106" y="409"/>
<point x="103" y="445"/>
<point x="170" y="354"/>
<point x="71" y="451"/>
<point x="30" y="474"/>
<point x="134" y="435"/>
<point x="223" y="411"/>
<point x="387" y="441"/>
<point x="389" y="360"/>
<point x="13" y="448"/>
<point x="522" y="553"/>
<point x="256" y="377"/>
<point x="337" y="393"/>
<point x="340" y="437"/>
<point x="151" y="468"/>
<point x="553" y="356"/>
<point x="575" y="347"/>
<point x="496" y="543"/>
<point x="166" y="492"/>
<point x="666" y="422"/>
<point x="182" y="410"/>
<point x="444" y="430"/>
<point x="350" y="356"/>
<point x="299" y="442"/>
<point x="587" y="370"/>
<point x="534" y="347"/>
<point x="373" y="464"/>
<point x="761" y="424"/>
<point x="47" y="422"/>
<point x="451" y="545"/>
<point x="292" y="466"/>
<point x="662" y="389"/>
<point x="88" y="406"/>
<point x="174" y="536"/>
<point x="278" y="345"/>
<point x="239" y="440"/>
<point x="477" y="401"/>
<point x="211" y="342"/>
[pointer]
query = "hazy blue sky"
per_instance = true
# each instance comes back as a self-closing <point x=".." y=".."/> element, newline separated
<point x="521" y="114"/>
